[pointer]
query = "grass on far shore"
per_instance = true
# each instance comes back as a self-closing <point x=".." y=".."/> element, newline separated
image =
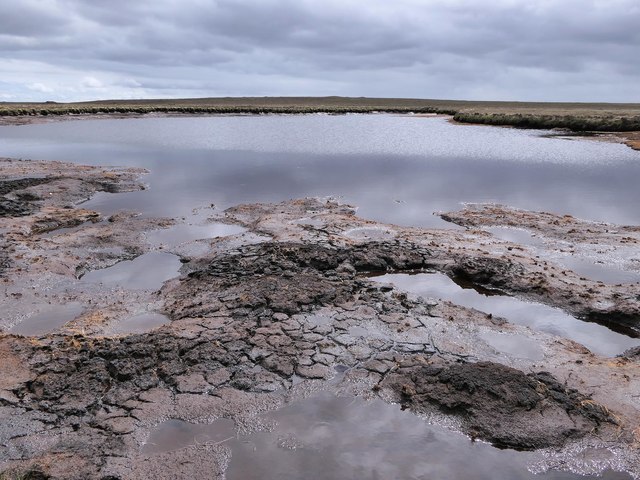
<point x="579" y="117"/>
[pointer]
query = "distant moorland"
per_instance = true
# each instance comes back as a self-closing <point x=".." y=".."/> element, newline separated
<point x="578" y="117"/>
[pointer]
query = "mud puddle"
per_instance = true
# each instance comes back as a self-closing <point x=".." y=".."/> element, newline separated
<point x="144" y="322"/>
<point x="581" y="265"/>
<point x="517" y="346"/>
<point x="185" y="233"/>
<point x="515" y="235"/>
<point x="174" y="434"/>
<point x="235" y="307"/>
<point x="599" y="272"/>
<point x="48" y="319"/>
<point x="596" y="338"/>
<point x="146" y="272"/>
<point x="330" y="437"/>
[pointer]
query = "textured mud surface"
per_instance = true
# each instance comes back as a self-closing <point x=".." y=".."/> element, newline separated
<point x="50" y="242"/>
<point x="565" y="237"/>
<point x="261" y="318"/>
<point x="501" y="404"/>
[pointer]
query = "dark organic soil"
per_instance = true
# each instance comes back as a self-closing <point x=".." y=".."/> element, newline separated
<point x="501" y="404"/>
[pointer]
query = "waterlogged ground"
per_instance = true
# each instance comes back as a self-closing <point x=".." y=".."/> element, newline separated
<point x="280" y="340"/>
<point x="597" y="338"/>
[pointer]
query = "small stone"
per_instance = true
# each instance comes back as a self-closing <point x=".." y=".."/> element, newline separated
<point x="120" y="425"/>
<point x="377" y="366"/>
<point x="323" y="358"/>
<point x="345" y="339"/>
<point x="194" y="383"/>
<point x="316" y="371"/>
<point x="218" y="377"/>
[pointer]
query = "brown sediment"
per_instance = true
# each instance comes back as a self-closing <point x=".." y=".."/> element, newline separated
<point x="287" y="302"/>
<point x="631" y="139"/>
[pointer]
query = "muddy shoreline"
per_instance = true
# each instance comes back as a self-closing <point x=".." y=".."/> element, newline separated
<point x="630" y="139"/>
<point x="260" y="317"/>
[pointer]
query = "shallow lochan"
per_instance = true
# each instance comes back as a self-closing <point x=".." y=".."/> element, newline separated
<point x="220" y="240"/>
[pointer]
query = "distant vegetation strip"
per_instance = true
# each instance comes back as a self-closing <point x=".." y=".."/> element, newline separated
<point x="577" y="117"/>
<point x="240" y="109"/>
<point x="576" y="123"/>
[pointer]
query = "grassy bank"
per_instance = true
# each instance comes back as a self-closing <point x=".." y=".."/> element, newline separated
<point x="583" y="120"/>
<point x="572" y="116"/>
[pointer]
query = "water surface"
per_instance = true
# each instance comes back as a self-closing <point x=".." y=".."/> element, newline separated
<point x="148" y="272"/>
<point x="47" y="319"/>
<point x="174" y="434"/>
<point x="141" y="323"/>
<point x="582" y="266"/>
<point x="597" y="338"/>
<point x="329" y="437"/>
<point x="398" y="169"/>
<point x="182" y="233"/>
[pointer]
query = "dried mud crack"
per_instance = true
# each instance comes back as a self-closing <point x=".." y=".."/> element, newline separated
<point x="285" y="304"/>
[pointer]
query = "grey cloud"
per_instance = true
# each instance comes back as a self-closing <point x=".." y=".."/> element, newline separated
<point x="527" y="50"/>
<point x="30" y="18"/>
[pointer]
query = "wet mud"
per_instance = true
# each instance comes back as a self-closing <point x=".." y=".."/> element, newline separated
<point x="562" y="238"/>
<point x="597" y="338"/>
<point x="501" y="404"/>
<point x="261" y="318"/>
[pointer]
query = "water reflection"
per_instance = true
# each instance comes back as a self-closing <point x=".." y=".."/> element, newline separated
<point x="396" y="169"/>
<point x="174" y="434"/>
<point x="184" y="233"/>
<point x="48" y="319"/>
<point x="140" y="323"/>
<point x="580" y="265"/>
<point x="598" y="271"/>
<point x="147" y="272"/>
<point x="517" y="346"/>
<point x="596" y="338"/>
<point x="330" y="437"/>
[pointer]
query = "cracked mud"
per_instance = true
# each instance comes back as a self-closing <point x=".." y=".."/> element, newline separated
<point x="286" y="304"/>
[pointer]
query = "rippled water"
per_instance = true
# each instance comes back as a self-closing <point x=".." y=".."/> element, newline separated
<point x="398" y="169"/>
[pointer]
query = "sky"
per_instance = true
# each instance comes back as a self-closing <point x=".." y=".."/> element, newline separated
<point x="527" y="50"/>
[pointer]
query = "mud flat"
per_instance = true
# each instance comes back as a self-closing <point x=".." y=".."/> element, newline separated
<point x="284" y="309"/>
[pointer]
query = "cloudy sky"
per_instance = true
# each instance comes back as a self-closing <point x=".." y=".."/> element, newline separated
<point x="552" y="50"/>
